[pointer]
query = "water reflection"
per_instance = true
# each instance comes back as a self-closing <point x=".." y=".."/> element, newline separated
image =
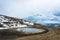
<point x="30" y="30"/>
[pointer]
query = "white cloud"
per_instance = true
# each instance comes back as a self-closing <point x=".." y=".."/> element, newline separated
<point x="25" y="8"/>
<point x="48" y="21"/>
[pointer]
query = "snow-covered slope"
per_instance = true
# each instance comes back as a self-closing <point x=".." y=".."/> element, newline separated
<point x="11" y="22"/>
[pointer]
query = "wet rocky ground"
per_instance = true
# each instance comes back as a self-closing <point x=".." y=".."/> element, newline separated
<point x="50" y="34"/>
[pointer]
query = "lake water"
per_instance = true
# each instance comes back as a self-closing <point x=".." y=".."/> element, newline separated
<point x="30" y="30"/>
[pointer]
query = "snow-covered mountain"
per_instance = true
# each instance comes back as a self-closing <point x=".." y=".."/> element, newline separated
<point x="11" y="22"/>
<point x="40" y="19"/>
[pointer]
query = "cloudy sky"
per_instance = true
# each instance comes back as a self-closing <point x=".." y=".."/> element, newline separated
<point x="25" y="8"/>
